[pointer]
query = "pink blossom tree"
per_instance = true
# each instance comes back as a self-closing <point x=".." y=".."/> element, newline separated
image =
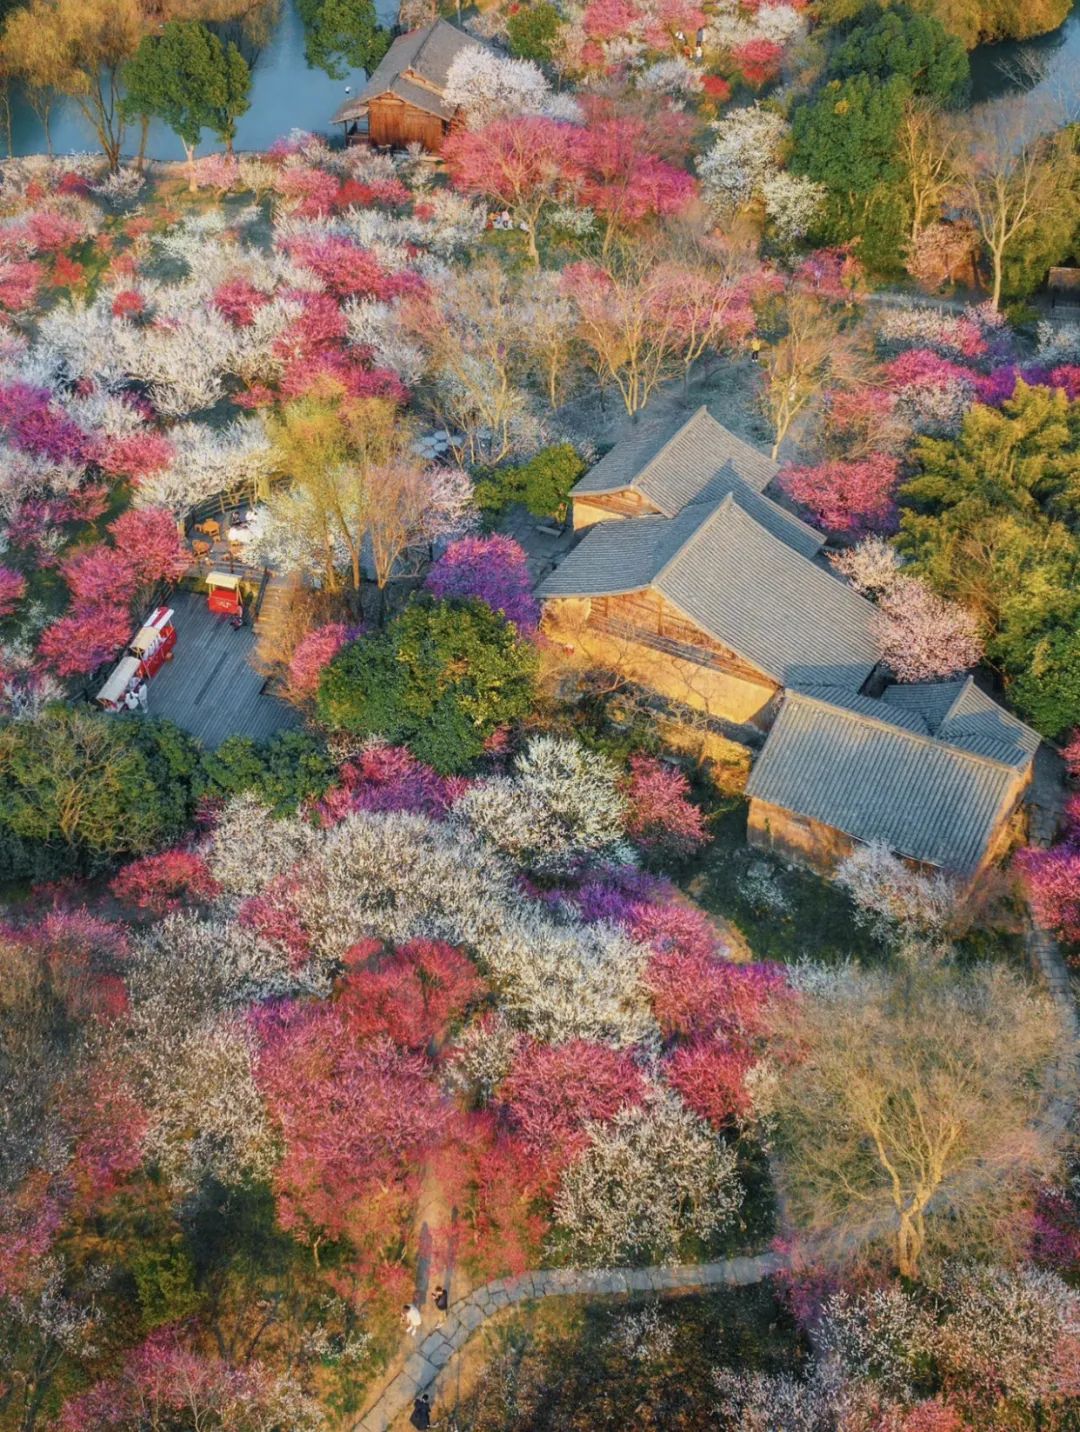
<point x="1052" y="880"/>
<point x="12" y="590"/>
<point x="620" y="174"/>
<point x="524" y="165"/>
<point x="148" y="540"/>
<point x="99" y="575"/>
<point x="661" y="819"/>
<point x="926" y="637"/>
<point x="87" y="636"/>
<point x="312" y="654"/>
<point x="846" y="497"/>
<point x="553" y="1091"/>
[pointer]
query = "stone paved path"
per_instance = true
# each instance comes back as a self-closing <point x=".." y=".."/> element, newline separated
<point x="431" y="1364"/>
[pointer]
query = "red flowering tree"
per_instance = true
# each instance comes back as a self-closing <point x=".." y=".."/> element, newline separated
<point x="710" y="1075"/>
<point x="661" y="819"/>
<point x="523" y="165"/>
<point x="621" y="175"/>
<point x="148" y="540"/>
<point x="164" y="882"/>
<point x="758" y="61"/>
<point x="496" y="1184"/>
<point x="355" y="1119"/>
<point x="552" y="1091"/>
<point x="412" y="995"/>
<point x="695" y="995"/>
<point x="846" y="497"/>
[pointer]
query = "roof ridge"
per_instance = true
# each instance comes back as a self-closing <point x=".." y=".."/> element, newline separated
<point x="930" y="740"/>
<point x="965" y="687"/>
<point x="663" y="449"/>
<point x="728" y="500"/>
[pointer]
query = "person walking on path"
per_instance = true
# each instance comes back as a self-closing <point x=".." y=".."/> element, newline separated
<point x="142" y="694"/>
<point x="441" y="1298"/>
<point x="411" y="1318"/>
<point x="421" y="1413"/>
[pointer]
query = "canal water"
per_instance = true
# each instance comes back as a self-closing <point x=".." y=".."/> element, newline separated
<point x="286" y="94"/>
<point x="1055" y="58"/>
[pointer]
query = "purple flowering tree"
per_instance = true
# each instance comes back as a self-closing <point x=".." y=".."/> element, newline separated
<point x="492" y="569"/>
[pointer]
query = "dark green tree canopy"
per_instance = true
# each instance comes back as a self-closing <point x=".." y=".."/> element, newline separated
<point x="896" y="41"/>
<point x="532" y="31"/>
<point x="188" y="78"/>
<point x="79" y="789"/>
<point x="439" y="679"/>
<point x="845" y="137"/>
<point x="342" y="35"/>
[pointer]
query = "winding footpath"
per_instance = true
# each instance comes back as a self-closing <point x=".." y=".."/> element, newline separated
<point x="431" y="1365"/>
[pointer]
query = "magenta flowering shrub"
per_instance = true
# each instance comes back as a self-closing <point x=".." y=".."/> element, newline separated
<point x="492" y="569"/>
<point x="662" y="820"/>
<point x="1052" y="881"/>
<point x="389" y="778"/>
<point x="31" y="421"/>
<point x="12" y="590"/>
<point x="853" y="497"/>
<point x="313" y="653"/>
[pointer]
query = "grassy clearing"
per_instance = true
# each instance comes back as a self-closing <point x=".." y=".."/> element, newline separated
<point x="580" y="1366"/>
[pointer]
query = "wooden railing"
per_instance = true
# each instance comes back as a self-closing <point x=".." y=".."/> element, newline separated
<point x="684" y="650"/>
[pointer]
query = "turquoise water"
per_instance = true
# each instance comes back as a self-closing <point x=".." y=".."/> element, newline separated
<point x="286" y="95"/>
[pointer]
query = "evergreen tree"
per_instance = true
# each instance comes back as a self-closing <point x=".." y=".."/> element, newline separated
<point x="188" y="78"/>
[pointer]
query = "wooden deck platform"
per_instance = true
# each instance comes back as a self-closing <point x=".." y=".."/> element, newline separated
<point x="210" y="687"/>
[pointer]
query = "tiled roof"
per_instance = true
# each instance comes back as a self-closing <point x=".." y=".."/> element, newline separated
<point x="428" y="52"/>
<point x="958" y="712"/>
<point x="740" y="584"/>
<point x="671" y="462"/>
<point x="875" y="780"/>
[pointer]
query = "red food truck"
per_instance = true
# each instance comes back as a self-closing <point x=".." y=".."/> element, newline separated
<point x="149" y="649"/>
<point x="224" y="595"/>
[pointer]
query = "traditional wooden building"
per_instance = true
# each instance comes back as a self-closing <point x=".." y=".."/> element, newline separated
<point x="667" y="463"/>
<point x="935" y="771"/>
<point x="692" y="582"/>
<point x="402" y="102"/>
<point x="718" y="608"/>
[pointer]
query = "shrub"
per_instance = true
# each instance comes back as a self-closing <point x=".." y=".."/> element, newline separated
<point x="440" y="679"/>
<point x="542" y="484"/>
<point x="284" y="771"/>
<point x="493" y="570"/>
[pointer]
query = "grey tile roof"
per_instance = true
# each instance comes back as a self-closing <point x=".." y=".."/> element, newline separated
<point x="960" y="713"/>
<point x="873" y="780"/>
<point x="928" y="699"/>
<point x="907" y="718"/>
<point x="622" y="556"/>
<point x="428" y="52"/>
<point x="672" y="461"/>
<point x="730" y="576"/>
<point x="976" y="722"/>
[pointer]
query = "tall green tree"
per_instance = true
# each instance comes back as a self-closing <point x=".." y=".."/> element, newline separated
<point x="918" y="48"/>
<point x="342" y="35"/>
<point x="846" y="137"/>
<point x="992" y="519"/>
<point x="188" y="78"/>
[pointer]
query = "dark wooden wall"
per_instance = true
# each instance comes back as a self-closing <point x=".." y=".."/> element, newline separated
<point x="392" y="121"/>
